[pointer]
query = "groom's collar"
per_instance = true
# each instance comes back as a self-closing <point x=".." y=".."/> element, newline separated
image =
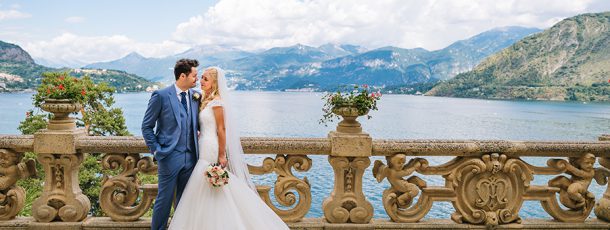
<point x="178" y="90"/>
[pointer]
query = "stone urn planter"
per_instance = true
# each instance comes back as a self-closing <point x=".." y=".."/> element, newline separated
<point x="61" y="109"/>
<point x="349" y="124"/>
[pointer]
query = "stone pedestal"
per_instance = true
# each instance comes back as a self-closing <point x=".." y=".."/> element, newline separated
<point x="349" y="158"/>
<point x="61" y="198"/>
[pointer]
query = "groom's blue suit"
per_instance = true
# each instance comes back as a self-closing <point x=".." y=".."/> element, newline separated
<point x="173" y="143"/>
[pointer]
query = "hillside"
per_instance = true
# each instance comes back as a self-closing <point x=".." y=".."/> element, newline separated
<point x="569" y="61"/>
<point x="18" y="71"/>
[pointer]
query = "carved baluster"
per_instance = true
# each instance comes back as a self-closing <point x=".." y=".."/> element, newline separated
<point x="349" y="157"/>
<point x="12" y="197"/>
<point x="119" y="194"/>
<point x="285" y="184"/>
<point x="61" y="197"/>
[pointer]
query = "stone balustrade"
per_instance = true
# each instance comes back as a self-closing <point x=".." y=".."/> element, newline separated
<point x="485" y="181"/>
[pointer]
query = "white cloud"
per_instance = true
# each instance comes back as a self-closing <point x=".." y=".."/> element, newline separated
<point x="262" y="24"/>
<point x="12" y="14"/>
<point x="74" y="19"/>
<point x="433" y="25"/>
<point x="89" y="49"/>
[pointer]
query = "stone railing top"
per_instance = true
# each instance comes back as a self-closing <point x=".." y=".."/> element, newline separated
<point x="322" y="146"/>
<point x="478" y="147"/>
<point x="19" y="143"/>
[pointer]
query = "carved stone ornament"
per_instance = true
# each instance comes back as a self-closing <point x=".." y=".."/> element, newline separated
<point x="12" y="197"/>
<point x="285" y="185"/>
<point x="490" y="190"/>
<point x="400" y="196"/>
<point x="120" y="195"/>
<point x="487" y="190"/>
<point x="573" y="191"/>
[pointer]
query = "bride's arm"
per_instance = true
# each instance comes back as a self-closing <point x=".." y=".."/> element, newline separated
<point x="220" y="131"/>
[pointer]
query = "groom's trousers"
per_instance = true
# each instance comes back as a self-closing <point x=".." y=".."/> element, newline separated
<point x="172" y="181"/>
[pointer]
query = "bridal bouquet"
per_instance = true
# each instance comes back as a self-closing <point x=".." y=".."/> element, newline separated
<point x="217" y="175"/>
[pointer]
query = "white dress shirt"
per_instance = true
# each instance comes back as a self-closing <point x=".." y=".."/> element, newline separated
<point x="178" y="91"/>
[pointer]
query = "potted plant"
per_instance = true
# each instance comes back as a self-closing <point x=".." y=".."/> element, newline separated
<point x="60" y="94"/>
<point x="349" y="104"/>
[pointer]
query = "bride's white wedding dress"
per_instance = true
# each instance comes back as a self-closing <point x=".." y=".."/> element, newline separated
<point x="232" y="206"/>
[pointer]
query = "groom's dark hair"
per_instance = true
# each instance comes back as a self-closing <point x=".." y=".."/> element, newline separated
<point x="183" y="66"/>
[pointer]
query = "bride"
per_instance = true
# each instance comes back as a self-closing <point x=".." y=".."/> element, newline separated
<point x="235" y="205"/>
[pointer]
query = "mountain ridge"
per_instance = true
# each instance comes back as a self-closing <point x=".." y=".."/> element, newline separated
<point x="569" y="61"/>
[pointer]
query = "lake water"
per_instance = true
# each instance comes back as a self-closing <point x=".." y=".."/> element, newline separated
<point x="281" y="114"/>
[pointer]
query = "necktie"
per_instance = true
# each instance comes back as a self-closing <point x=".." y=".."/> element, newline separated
<point x="183" y="100"/>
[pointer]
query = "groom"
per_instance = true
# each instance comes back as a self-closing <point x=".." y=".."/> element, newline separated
<point x="174" y="112"/>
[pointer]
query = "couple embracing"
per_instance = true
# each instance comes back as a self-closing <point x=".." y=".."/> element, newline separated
<point x="187" y="131"/>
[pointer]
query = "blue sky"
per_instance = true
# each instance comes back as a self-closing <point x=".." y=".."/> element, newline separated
<point x="146" y="21"/>
<point x="87" y="31"/>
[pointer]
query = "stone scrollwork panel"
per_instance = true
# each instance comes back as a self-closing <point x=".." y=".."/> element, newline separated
<point x="12" y="197"/>
<point x="490" y="189"/>
<point x="484" y="190"/>
<point x="120" y="194"/>
<point x="286" y="185"/>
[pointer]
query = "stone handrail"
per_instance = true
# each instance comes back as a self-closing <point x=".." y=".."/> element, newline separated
<point x="322" y="146"/>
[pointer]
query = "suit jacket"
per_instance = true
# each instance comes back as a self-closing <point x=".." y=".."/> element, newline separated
<point x="163" y="113"/>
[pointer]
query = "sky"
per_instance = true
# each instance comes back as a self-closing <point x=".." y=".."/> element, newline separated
<point x="87" y="31"/>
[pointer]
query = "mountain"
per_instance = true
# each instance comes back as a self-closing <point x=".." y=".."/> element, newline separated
<point x="330" y="65"/>
<point x="154" y="69"/>
<point x="14" y="53"/>
<point x="281" y="57"/>
<point x="569" y="61"/>
<point x="161" y="69"/>
<point x="18" y="71"/>
<point x="392" y="66"/>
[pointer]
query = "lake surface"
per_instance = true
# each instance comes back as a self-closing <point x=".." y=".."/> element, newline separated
<point x="296" y="114"/>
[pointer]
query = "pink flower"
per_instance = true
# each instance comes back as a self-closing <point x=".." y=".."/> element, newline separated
<point x="365" y="86"/>
<point x="27" y="114"/>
